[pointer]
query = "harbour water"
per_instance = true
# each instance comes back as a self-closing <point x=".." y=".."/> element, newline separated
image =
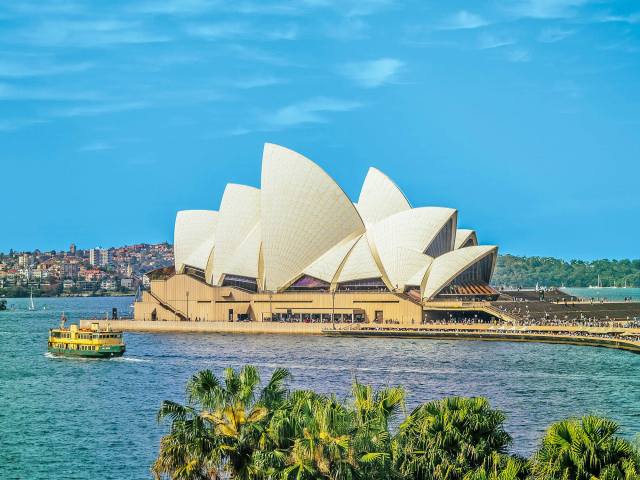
<point x="81" y="419"/>
<point x="609" y="294"/>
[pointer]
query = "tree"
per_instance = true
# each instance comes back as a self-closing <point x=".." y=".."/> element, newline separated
<point x="232" y="429"/>
<point x="585" y="449"/>
<point x="218" y="431"/>
<point x="373" y="412"/>
<point x="446" y="439"/>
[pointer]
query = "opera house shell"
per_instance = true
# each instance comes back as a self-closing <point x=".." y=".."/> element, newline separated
<point x="299" y="234"/>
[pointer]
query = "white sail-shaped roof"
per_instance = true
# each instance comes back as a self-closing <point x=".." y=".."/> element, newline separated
<point x="402" y="238"/>
<point x="360" y="263"/>
<point x="328" y="265"/>
<point x="380" y="197"/>
<point x="447" y="267"/>
<point x="304" y="214"/>
<point x="418" y="277"/>
<point x="401" y="265"/>
<point x="463" y="236"/>
<point x="247" y="255"/>
<point x="239" y="214"/>
<point x="193" y="238"/>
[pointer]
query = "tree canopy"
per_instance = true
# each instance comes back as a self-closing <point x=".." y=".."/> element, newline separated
<point x="514" y="271"/>
<point x="237" y="428"/>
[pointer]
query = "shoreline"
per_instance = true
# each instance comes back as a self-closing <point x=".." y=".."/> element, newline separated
<point x="585" y="336"/>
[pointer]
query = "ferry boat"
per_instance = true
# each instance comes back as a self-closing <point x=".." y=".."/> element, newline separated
<point x="90" y="342"/>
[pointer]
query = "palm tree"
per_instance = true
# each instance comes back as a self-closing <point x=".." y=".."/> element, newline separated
<point x="219" y="430"/>
<point x="373" y="410"/>
<point x="315" y="436"/>
<point x="585" y="449"/>
<point x="448" y="438"/>
<point x="500" y="467"/>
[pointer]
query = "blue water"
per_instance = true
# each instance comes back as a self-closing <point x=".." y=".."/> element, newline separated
<point x="611" y="294"/>
<point x="87" y="419"/>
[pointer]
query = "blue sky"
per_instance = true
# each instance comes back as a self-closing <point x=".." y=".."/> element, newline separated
<point x="524" y="115"/>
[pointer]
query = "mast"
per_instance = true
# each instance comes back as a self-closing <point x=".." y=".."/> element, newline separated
<point x="32" y="306"/>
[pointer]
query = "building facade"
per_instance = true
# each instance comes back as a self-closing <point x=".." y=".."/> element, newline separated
<point x="100" y="257"/>
<point x="298" y="249"/>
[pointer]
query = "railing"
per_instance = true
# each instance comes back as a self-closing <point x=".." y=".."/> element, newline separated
<point x="168" y="306"/>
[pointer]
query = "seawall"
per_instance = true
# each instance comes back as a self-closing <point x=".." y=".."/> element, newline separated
<point x="210" y="327"/>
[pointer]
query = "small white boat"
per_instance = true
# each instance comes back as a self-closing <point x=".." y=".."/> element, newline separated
<point x="31" y="305"/>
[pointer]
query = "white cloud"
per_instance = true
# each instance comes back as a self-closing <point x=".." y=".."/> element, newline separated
<point x="489" y="41"/>
<point x="37" y="68"/>
<point x="548" y="8"/>
<point x="313" y="110"/>
<point x="374" y="73"/>
<point x="257" y="82"/>
<point x="221" y="30"/>
<point x="308" y="111"/>
<point x="230" y="30"/>
<point x="10" y="125"/>
<point x="173" y="7"/>
<point x="13" y="92"/>
<point x="85" y="33"/>
<point x="553" y="35"/>
<point x="629" y="19"/>
<point x="518" y="55"/>
<point x="96" y="147"/>
<point x="463" y="20"/>
<point x="348" y="28"/>
<point x="263" y="56"/>
<point x="97" y="109"/>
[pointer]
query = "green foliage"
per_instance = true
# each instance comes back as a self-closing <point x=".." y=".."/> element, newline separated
<point x="446" y="439"/>
<point x="517" y="271"/>
<point x="231" y="428"/>
<point x="585" y="449"/>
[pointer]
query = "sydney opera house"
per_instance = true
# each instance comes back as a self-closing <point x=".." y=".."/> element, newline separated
<point x="298" y="249"/>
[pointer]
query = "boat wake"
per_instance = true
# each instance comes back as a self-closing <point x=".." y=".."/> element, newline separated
<point x="130" y="359"/>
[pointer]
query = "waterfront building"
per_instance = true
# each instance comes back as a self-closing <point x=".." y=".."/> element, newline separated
<point x="108" y="284"/>
<point x="298" y="249"/>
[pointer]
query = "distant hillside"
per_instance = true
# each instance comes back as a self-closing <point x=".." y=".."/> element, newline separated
<point x="546" y="271"/>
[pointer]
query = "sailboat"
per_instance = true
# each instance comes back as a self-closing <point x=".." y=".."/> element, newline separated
<point x="31" y="305"/>
<point x="599" y="283"/>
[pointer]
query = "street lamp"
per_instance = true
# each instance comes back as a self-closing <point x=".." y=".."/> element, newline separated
<point x="333" y="308"/>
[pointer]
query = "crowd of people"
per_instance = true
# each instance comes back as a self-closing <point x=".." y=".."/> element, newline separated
<point x="504" y="331"/>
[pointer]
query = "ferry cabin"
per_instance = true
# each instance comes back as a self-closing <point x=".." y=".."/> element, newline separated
<point x="83" y="340"/>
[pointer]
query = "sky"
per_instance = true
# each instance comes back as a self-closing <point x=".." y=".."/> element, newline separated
<point x="524" y="115"/>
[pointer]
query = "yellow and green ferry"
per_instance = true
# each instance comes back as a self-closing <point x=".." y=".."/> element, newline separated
<point x="90" y="342"/>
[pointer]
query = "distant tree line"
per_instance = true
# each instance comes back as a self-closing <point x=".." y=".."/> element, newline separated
<point x="517" y="271"/>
